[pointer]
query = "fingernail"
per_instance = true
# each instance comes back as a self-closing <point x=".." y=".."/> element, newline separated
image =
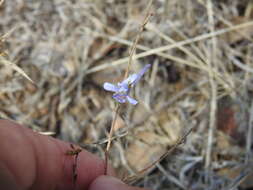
<point x="106" y="183"/>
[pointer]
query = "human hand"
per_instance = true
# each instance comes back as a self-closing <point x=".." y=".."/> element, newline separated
<point x="29" y="160"/>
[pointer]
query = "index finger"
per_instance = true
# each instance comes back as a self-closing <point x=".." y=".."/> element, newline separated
<point x="37" y="162"/>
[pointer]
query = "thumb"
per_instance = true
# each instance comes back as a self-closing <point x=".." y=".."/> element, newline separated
<point x="110" y="183"/>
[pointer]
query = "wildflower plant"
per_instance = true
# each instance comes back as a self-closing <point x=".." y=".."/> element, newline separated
<point x="122" y="89"/>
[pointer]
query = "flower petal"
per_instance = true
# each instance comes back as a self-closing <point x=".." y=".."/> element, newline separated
<point x="141" y="73"/>
<point x="129" y="80"/>
<point x="121" y="98"/>
<point x="110" y="87"/>
<point x="131" y="100"/>
<point x="144" y="69"/>
<point x="123" y="88"/>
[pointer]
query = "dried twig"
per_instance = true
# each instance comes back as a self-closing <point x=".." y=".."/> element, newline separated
<point x="74" y="152"/>
<point x="140" y="174"/>
<point x="132" y="51"/>
<point x="110" y="136"/>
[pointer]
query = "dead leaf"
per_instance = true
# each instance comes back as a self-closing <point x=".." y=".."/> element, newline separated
<point x="171" y="125"/>
<point x="140" y="155"/>
<point x="119" y="123"/>
<point x="231" y="119"/>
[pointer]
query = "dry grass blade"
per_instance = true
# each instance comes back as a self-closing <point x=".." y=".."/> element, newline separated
<point x="171" y="41"/>
<point x="7" y="34"/>
<point x="241" y="65"/>
<point x="14" y="67"/>
<point x="169" y="47"/>
<point x="211" y="61"/>
<point x="170" y="177"/>
<point x="249" y="134"/>
<point x="105" y="140"/>
<point x="140" y="174"/>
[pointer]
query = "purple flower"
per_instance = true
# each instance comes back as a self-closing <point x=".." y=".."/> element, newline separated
<point x="122" y="89"/>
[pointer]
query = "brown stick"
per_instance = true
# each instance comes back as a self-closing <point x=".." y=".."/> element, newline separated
<point x="141" y="172"/>
<point x="133" y="48"/>
<point x="74" y="152"/>
<point x="110" y="137"/>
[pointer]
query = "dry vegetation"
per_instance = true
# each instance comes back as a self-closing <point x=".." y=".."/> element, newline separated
<point x="201" y="53"/>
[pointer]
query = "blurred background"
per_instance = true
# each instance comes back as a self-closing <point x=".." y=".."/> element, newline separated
<point x="201" y="53"/>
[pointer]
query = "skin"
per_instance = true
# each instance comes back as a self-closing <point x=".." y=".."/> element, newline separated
<point x="30" y="161"/>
